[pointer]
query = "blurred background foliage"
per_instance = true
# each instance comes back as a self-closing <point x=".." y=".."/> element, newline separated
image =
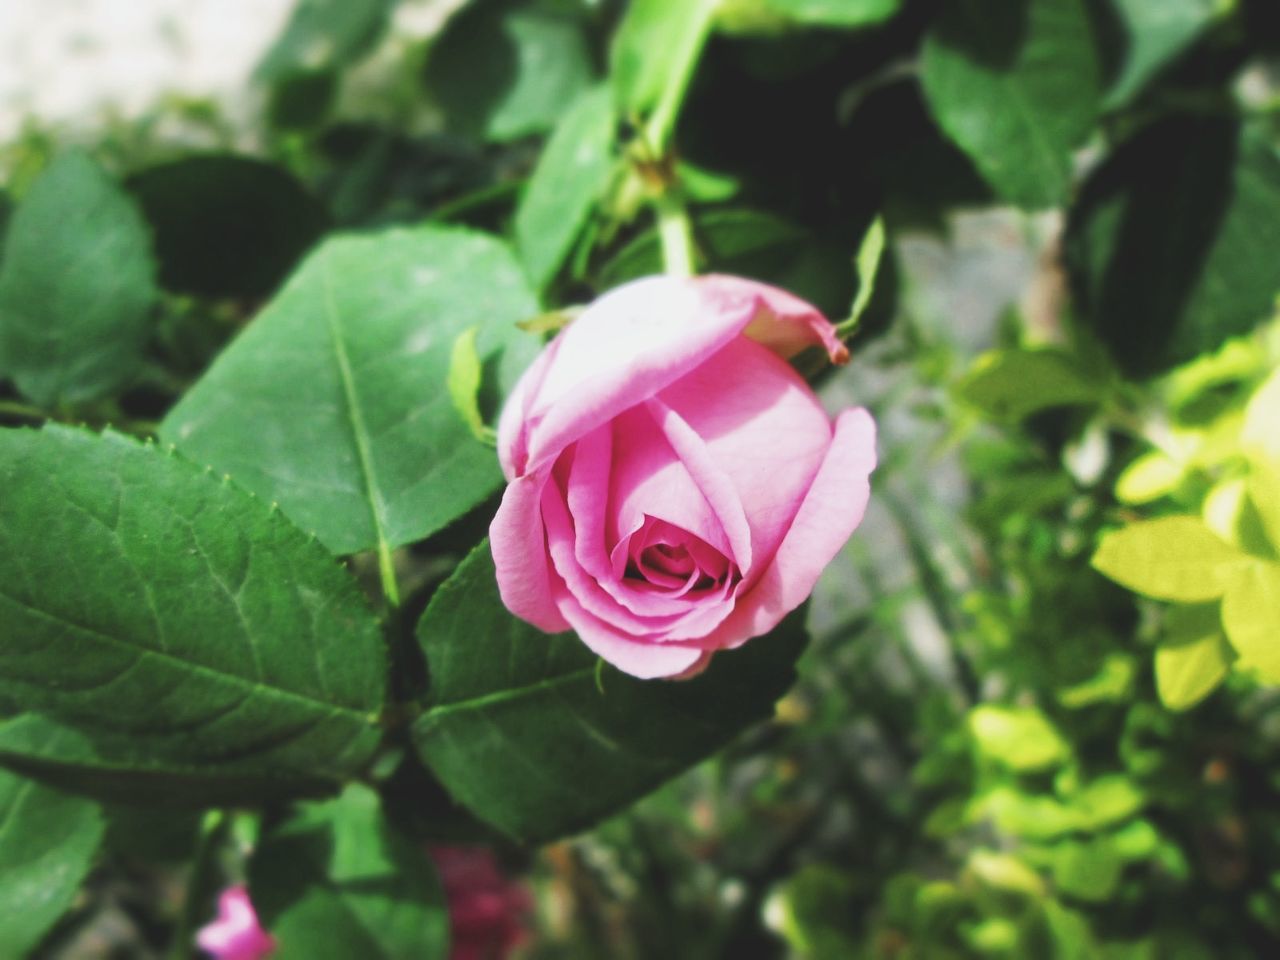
<point x="1000" y="745"/>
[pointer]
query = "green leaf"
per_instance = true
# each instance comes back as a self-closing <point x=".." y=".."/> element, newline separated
<point x="502" y="71"/>
<point x="47" y="843"/>
<point x="1261" y="442"/>
<point x="1113" y="683"/>
<point x="570" y="178"/>
<point x="1150" y="477"/>
<point x="518" y="731"/>
<point x="1005" y="872"/>
<point x="1157" y="32"/>
<point x="226" y="226"/>
<point x="1016" y="84"/>
<point x="76" y="286"/>
<point x="1168" y="243"/>
<point x="1013" y="384"/>
<point x="323" y="35"/>
<point x="1088" y="871"/>
<point x="817" y="912"/>
<point x="867" y="265"/>
<point x="1230" y="511"/>
<point x="1028" y="816"/>
<point x="848" y="14"/>
<point x="655" y="51"/>
<point x="337" y="881"/>
<point x="1251" y="617"/>
<point x="1193" y="657"/>
<point x="333" y="402"/>
<point x="463" y="382"/>
<point x="167" y="629"/>
<point x="1108" y="800"/>
<point x="1173" y="558"/>
<point x="1020" y="738"/>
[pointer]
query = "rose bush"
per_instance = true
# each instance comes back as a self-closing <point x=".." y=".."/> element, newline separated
<point x="675" y="487"/>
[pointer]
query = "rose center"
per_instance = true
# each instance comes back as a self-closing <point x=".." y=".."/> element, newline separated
<point x="672" y="560"/>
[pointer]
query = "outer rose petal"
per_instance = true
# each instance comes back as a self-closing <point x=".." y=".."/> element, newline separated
<point x="621" y="350"/>
<point x="517" y="538"/>
<point x="827" y="518"/>
<point x="513" y="427"/>
<point x="646" y="660"/>
<point x="781" y="321"/>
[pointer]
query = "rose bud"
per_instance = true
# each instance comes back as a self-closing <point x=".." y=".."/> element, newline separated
<point x="674" y="486"/>
<point x="234" y="934"/>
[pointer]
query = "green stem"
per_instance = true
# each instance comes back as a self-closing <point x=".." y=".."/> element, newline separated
<point x="387" y="574"/>
<point x="212" y="832"/>
<point x="676" y="233"/>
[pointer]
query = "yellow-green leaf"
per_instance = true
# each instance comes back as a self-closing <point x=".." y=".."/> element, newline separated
<point x="1017" y="737"/>
<point x="1012" y="384"/>
<point x="1173" y="558"/>
<point x="1188" y="672"/>
<point x="1251" y="617"/>
<point x="463" y="382"/>
<point x="1152" y="476"/>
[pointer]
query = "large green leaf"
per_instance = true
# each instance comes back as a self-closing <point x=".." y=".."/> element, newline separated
<point x="502" y="71"/>
<point x="1173" y="558"/>
<point x="168" y="630"/>
<point x="654" y="53"/>
<point x="1156" y="32"/>
<point x="1169" y="245"/>
<point x="47" y="842"/>
<point x="569" y="179"/>
<point x="333" y="402"/>
<point x="534" y="736"/>
<point x="323" y="35"/>
<point x="1016" y="84"/>
<point x="76" y="286"/>
<point x="337" y="881"/>
<point x="225" y="225"/>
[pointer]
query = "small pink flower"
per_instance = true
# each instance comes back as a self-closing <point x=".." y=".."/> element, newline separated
<point x="674" y="486"/>
<point x="486" y="910"/>
<point x="235" y="934"/>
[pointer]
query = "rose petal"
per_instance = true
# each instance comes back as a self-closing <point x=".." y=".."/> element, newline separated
<point x="645" y="660"/>
<point x="713" y="483"/>
<point x="781" y="321"/>
<point x="514" y="422"/>
<point x="624" y="348"/>
<point x="687" y="616"/>
<point x="517" y="538"/>
<point x="650" y="480"/>
<point x="830" y="513"/>
<point x="760" y="423"/>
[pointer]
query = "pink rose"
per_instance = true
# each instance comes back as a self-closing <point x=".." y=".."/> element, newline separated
<point x="675" y="487"/>
<point x="486" y="910"/>
<point x="234" y="934"/>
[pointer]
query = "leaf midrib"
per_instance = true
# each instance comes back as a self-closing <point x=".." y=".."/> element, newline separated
<point x="436" y="713"/>
<point x="191" y="665"/>
<point x="355" y="413"/>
